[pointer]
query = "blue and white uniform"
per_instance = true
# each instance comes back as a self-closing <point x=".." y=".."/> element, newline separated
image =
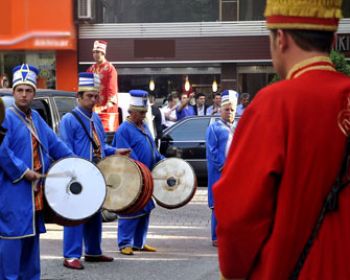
<point x="75" y="137"/>
<point x="20" y="224"/>
<point x="133" y="228"/>
<point x="217" y="136"/>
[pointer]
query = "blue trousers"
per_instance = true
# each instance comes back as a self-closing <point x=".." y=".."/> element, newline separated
<point x="213" y="225"/>
<point x="20" y="259"/>
<point x="133" y="232"/>
<point x="89" y="232"/>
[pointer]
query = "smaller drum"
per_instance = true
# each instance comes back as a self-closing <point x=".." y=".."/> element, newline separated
<point x="175" y="183"/>
<point x="75" y="190"/>
<point x="129" y="184"/>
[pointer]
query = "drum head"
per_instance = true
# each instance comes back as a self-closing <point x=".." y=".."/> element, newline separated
<point x="174" y="183"/>
<point x="123" y="180"/>
<point x="2" y="111"/>
<point x="75" y="188"/>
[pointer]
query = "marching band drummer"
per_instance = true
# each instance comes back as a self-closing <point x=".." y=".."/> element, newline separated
<point x="134" y="134"/>
<point x="217" y="137"/>
<point x="83" y="132"/>
<point x="25" y="155"/>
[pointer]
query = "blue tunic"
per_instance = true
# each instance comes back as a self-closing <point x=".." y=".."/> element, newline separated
<point x="17" y="209"/>
<point x="75" y="137"/>
<point x="142" y="147"/>
<point x="216" y="138"/>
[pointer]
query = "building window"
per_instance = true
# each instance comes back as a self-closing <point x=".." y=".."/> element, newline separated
<point x="148" y="11"/>
<point x="346" y="8"/>
<point x="229" y="10"/>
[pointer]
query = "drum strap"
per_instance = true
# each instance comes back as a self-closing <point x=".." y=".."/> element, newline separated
<point x="330" y="205"/>
<point x="29" y="124"/>
<point x="93" y="142"/>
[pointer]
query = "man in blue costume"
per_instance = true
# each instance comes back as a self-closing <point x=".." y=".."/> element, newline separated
<point x="217" y="136"/>
<point x="87" y="142"/>
<point x="26" y="153"/>
<point x="134" y="134"/>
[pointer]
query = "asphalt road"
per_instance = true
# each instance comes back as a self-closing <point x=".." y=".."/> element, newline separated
<point x="182" y="237"/>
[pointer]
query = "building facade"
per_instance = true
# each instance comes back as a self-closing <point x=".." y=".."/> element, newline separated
<point x="169" y="41"/>
<point x="42" y="33"/>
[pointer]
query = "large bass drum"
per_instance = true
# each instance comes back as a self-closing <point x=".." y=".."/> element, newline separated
<point x="175" y="183"/>
<point x="75" y="190"/>
<point x="129" y="184"/>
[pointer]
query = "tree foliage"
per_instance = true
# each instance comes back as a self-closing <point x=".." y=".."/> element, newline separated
<point x="339" y="61"/>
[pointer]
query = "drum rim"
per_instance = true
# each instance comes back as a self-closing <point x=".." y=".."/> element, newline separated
<point x="195" y="186"/>
<point x="124" y="209"/>
<point x="88" y="217"/>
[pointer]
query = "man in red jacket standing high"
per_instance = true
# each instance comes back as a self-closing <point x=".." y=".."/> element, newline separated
<point x="107" y="106"/>
<point x="286" y="154"/>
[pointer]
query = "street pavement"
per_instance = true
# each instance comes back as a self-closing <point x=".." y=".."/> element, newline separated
<point x="182" y="237"/>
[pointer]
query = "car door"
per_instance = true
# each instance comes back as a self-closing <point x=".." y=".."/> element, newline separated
<point x="42" y="106"/>
<point x="186" y="140"/>
<point x="63" y="105"/>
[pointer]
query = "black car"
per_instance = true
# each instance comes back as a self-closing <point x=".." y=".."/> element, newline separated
<point x="51" y="105"/>
<point x="186" y="140"/>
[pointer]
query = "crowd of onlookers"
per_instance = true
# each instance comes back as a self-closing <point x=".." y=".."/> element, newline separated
<point x="178" y="106"/>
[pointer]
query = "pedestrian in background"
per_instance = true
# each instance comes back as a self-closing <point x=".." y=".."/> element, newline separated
<point x="184" y="109"/>
<point x="215" y="108"/>
<point x="157" y="118"/>
<point x="169" y="111"/>
<point x="200" y="109"/>
<point x="285" y="158"/>
<point x="243" y="103"/>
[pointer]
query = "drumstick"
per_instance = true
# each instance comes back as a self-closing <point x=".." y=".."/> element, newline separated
<point x="57" y="175"/>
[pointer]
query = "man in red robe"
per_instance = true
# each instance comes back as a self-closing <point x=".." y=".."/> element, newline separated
<point x="107" y="106"/>
<point x="285" y="156"/>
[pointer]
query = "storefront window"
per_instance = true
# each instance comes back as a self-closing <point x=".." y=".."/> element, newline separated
<point x="44" y="61"/>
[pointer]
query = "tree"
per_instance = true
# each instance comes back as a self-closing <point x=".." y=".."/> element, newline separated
<point x="338" y="60"/>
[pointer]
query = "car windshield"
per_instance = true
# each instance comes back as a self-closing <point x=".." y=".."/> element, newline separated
<point x="65" y="104"/>
<point x="190" y="130"/>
